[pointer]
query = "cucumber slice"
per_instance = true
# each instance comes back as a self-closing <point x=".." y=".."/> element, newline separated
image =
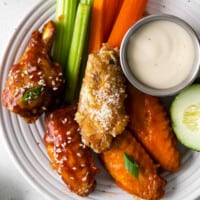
<point x="185" y="116"/>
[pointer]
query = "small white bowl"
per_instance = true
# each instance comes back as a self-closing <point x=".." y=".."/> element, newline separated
<point x="144" y="87"/>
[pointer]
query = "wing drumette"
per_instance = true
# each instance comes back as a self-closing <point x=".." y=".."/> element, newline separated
<point x="101" y="112"/>
<point x="72" y="159"/>
<point x="35" y="79"/>
<point x="149" y="185"/>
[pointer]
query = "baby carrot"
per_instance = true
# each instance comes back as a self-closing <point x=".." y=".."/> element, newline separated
<point x="104" y="13"/>
<point x="96" y="32"/>
<point x="130" y="12"/>
<point x="111" y="8"/>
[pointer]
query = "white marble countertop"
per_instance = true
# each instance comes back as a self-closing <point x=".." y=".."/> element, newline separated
<point x="13" y="185"/>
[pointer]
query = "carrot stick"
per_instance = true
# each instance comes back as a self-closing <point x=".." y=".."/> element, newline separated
<point x="112" y="8"/>
<point x="96" y="32"/>
<point x="130" y="12"/>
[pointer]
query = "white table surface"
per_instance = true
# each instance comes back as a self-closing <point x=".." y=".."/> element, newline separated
<point x="13" y="186"/>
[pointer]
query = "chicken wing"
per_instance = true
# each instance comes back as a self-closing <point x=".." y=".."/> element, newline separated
<point x="72" y="159"/>
<point x="35" y="79"/>
<point x="148" y="185"/>
<point x="151" y="125"/>
<point x="101" y="112"/>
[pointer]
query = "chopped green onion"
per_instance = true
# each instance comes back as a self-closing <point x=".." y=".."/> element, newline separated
<point x="64" y="20"/>
<point x="32" y="93"/>
<point x="77" y="49"/>
<point x="131" y="165"/>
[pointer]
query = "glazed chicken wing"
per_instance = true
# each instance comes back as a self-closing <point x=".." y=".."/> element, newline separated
<point x="101" y="113"/>
<point x="35" y="79"/>
<point x="151" y="125"/>
<point x="72" y="159"/>
<point x="149" y="185"/>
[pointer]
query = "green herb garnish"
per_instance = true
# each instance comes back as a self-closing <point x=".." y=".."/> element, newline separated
<point x="32" y="93"/>
<point x="131" y="165"/>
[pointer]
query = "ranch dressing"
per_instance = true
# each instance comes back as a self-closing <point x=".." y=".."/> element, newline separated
<point x="161" y="54"/>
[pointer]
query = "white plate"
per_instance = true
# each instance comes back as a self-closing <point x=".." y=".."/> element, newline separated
<point x="25" y="142"/>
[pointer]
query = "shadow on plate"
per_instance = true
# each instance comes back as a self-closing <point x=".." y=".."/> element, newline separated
<point x="10" y="190"/>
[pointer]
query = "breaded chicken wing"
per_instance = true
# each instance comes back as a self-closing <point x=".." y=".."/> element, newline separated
<point x="34" y="81"/>
<point x="101" y="112"/>
<point x="149" y="185"/>
<point x="151" y="125"/>
<point x="72" y="159"/>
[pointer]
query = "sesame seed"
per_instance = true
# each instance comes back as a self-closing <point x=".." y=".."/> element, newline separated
<point x="32" y="69"/>
<point x="59" y="150"/>
<point x="82" y="145"/>
<point x="68" y="133"/>
<point x="31" y="76"/>
<point x="63" y="145"/>
<point x="44" y="108"/>
<point x="16" y="92"/>
<point x="51" y="115"/>
<point x="85" y="177"/>
<point x="57" y="145"/>
<point x="42" y="82"/>
<point x="74" y="168"/>
<point x="53" y="83"/>
<point x="64" y="158"/>
<point x="79" y="154"/>
<point x="87" y="190"/>
<point x="64" y="121"/>
<point x="83" y="165"/>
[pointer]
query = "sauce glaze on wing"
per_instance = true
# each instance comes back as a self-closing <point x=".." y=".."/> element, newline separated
<point x="149" y="185"/>
<point x="151" y="126"/>
<point x="69" y="156"/>
<point x="35" y="80"/>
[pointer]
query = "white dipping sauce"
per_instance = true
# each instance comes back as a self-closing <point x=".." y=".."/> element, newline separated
<point x="161" y="54"/>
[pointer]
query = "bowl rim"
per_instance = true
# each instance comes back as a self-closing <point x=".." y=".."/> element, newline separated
<point x="140" y="85"/>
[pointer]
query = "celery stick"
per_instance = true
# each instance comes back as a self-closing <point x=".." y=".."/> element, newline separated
<point x="90" y="2"/>
<point x="64" y="20"/>
<point x="76" y="50"/>
<point x="84" y="59"/>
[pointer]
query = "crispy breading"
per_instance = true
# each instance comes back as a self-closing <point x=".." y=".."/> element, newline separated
<point x="34" y="81"/>
<point x="151" y="125"/>
<point x="69" y="156"/>
<point x="101" y="112"/>
<point x="149" y="184"/>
